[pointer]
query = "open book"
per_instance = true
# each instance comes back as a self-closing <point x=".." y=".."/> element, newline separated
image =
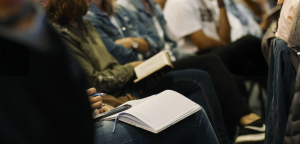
<point x="153" y="64"/>
<point x="158" y="112"/>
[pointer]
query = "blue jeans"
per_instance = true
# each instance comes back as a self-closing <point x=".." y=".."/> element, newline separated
<point x="281" y="80"/>
<point x="197" y="86"/>
<point x="194" y="129"/>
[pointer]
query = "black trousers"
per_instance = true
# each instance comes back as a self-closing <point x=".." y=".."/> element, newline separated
<point x="242" y="57"/>
<point x="232" y="103"/>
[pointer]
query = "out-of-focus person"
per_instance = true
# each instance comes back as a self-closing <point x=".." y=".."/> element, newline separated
<point x="43" y="97"/>
<point x="196" y="27"/>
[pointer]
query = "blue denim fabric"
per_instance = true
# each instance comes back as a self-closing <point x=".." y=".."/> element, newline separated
<point x="194" y="129"/>
<point x="130" y="26"/>
<point x="281" y="79"/>
<point x="197" y="86"/>
<point x="137" y="7"/>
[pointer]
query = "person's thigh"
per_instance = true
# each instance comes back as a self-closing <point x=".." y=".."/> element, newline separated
<point x="193" y="129"/>
<point x="243" y="57"/>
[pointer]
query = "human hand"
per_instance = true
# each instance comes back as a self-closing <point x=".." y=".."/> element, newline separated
<point x="105" y="108"/>
<point x="125" y="42"/>
<point x="136" y="63"/>
<point x="96" y="102"/>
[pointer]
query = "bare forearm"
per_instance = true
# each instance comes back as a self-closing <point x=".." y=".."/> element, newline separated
<point x="143" y="46"/>
<point x="224" y="27"/>
<point x="210" y="43"/>
<point x="203" y="42"/>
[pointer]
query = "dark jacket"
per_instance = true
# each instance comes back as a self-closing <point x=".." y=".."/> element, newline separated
<point x="292" y="134"/>
<point x="42" y="96"/>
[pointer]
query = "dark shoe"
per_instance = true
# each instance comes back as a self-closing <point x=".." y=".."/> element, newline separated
<point x="253" y="133"/>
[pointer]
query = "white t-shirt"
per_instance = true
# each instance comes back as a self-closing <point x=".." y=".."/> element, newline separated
<point x="185" y="17"/>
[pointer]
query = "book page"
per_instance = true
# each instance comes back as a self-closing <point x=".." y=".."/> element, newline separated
<point x="133" y="103"/>
<point x="165" y="107"/>
<point x="151" y="65"/>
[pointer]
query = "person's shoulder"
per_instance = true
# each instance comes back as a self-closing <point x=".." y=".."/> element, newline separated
<point x="58" y="28"/>
<point x="63" y="31"/>
<point x="88" y="24"/>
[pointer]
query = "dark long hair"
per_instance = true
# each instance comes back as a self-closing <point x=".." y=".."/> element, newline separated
<point x="65" y="11"/>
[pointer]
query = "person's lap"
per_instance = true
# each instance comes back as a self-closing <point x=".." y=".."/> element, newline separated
<point x="193" y="129"/>
<point x="242" y="57"/>
<point x="197" y="86"/>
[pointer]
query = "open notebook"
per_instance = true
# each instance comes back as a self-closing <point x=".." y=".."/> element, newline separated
<point x="158" y="112"/>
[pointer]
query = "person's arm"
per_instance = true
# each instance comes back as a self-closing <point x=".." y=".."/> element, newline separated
<point x="121" y="74"/>
<point x="185" y="23"/>
<point x="143" y="46"/>
<point x="202" y="41"/>
<point x="224" y="26"/>
<point x="145" y="34"/>
<point x="123" y="55"/>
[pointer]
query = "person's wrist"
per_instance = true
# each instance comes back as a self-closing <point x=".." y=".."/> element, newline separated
<point x="134" y="44"/>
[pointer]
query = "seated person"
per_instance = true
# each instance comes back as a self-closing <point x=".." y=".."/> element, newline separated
<point x="205" y="31"/>
<point x="43" y="98"/>
<point x="116" y="79"/>
<point x="229" y="96"/>
<point x="241" y="21"/>
<point x="128" y="39"/>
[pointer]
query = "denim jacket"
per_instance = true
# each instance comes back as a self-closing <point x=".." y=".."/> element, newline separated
<point x="145" y="18"/>
<point x="130" y="27"/>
